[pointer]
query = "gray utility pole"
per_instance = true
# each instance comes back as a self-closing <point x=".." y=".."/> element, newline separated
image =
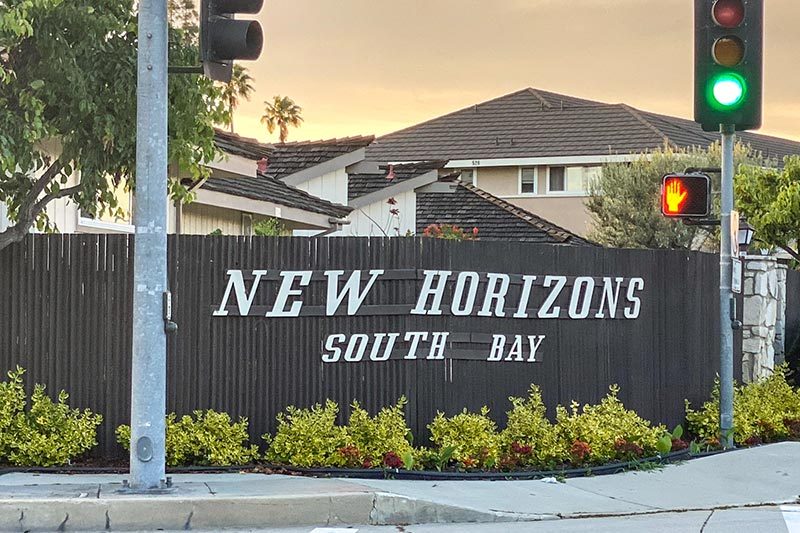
<point x="725" y="293"/>
<point x="149" y="375"/>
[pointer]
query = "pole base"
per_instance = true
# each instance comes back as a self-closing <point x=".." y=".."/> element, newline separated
<point x="165" y="487"/>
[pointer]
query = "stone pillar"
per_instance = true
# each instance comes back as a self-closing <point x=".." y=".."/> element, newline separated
<point x="780" y="321"/>
<point x="761" y="309"/>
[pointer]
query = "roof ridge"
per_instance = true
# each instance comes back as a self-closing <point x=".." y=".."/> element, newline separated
<point x="354" y="138"/>
<point x="555" y="231"/>
<point x="541" y="98"/>
<point x="472" y="106"/>
<point x="637" y="115"/>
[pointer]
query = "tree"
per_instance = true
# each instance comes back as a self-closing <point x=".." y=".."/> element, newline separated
<point x="770" y="199"/>
<point x="239" y="87"/>
<point x="281" y="113"/>
<point x="68" y="107"/>
<point x="625" y="201"/>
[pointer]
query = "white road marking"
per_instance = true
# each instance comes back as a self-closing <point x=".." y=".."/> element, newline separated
<point x="333" y="530"/>
<point x="791" y="515"/>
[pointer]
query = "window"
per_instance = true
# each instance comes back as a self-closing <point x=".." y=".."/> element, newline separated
<point x="527" y="180"/>
<point x="468" y="176"/>
<point x="571" y="180"/>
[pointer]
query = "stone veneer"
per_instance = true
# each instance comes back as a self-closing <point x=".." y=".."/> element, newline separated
<point x="764" y="316"/>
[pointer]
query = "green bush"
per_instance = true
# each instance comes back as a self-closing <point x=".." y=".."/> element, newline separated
<point x="308" y="437"/>
<point x="529" y="438"/>
<point x="765" y="411"/>
<point x="380" y="439"/>
<point x="205" y="438"/>
<point x="49" y="433"/>
<point x="605" y="432"/>
<point x="472" y="437"/>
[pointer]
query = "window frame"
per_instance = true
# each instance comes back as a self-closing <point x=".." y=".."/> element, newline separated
<point x="535" y="191"/>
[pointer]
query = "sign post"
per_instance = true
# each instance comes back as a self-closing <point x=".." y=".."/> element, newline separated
<point x="726" y="301"/>
<point x="149" y="362"/>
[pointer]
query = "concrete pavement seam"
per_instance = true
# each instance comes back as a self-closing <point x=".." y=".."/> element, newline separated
<point x="617" y="499"/>
<point x="703" y="527"/>
<point x="579" y="516"/>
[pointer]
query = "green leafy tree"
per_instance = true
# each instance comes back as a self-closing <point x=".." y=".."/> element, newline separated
<point x="281" y="113"/>
<point x="770" y="199"/>
<point x="625" y="201"/>
<point x="68" y="106"/>
<point x="240" y="88"/>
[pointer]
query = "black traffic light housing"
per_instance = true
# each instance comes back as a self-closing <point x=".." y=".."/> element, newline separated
<point x="223" y="39"/>
<point x="729" y="36"/>
<point x="686" y="195"/>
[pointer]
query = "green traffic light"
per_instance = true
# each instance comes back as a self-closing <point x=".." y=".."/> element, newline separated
<point x="727" y="91"/>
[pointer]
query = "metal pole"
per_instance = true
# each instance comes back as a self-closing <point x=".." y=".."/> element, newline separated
<point x="148" y="378"/>
<point x="725" y="294"/>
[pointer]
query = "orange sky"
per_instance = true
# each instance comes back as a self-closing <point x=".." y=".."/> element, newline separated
<point x="375" y="66"/>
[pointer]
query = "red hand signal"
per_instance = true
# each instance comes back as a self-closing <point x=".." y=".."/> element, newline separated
<point x="675" y="196"/>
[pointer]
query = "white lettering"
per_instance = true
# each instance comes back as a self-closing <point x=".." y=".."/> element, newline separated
<point x="496" y="353"/>
<point x="286" y="290"/>
<point x="534" y="342"/>
<point x="515" y="353"/>
<point x="438" y="343"/>
<point x="243" y="300"/>
<point x="334" y="353"/>
<point x="610" y="298"/>
<point x="428" y="290"/>
<point x="548" y="310"/>
<point x="575" y="301"/>
<point x="632" y="312"/>
<point x="350" y="290"/>
<point x="456" y="307"/>
<point x="387" y="352"/>
<point x="495" y="294"/>
<point x="360" y="342"/>
<point x="524" y="299"/>
<point x="414" y="337"/>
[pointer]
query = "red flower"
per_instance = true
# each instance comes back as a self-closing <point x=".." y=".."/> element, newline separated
<point x="390" y="176"/>
<point x="391" y="201"/>
<point x="392" y="460"/>
<point x="395" y="212"/>
<point x="475" y="231"/>
<point x="580" y="450"/>
<point x="521" y="449"/>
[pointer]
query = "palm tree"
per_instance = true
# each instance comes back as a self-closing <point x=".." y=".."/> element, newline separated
<point x="281" y="113"/>
<point x="239" y="87"/>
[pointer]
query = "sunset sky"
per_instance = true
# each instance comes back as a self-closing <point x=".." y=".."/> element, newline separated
<point x="360" y="67"/>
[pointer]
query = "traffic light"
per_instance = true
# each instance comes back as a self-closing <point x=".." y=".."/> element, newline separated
<point x="729" y="36"/>
<point x="685" y="195"/>
<point x="224" y="39"/>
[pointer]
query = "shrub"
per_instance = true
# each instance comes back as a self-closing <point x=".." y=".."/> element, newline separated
<point x="605" y="432"/>
<point x="530" y="439"/>
<point x="49" y="433"/>
<point x="450" y="232"/>
<point x="204" y="438"/>
<point x="309" y="437"/>
<point x="762" y="412"/>
<point x="473" y="438"/>
<point x="376" y="437"/>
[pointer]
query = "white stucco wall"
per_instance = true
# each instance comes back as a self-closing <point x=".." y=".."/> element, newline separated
<point x="374" y="220"/>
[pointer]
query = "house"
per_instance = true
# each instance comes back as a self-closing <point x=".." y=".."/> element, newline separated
<point x="540" y="150"/>
<point x="398" y="200"/>
<point x="231" y="200"/>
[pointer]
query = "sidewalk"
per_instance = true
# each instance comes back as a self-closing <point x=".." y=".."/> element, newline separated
<point x="768" y="475"/>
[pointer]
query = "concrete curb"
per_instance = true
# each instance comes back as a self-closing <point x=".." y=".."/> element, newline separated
<point x="177" y="513"/>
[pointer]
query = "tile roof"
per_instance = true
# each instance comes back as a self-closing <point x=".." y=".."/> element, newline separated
<point x="359" y="185"/>
<point x="242" y="146"/>
<point x="536" y="123"/>
<point x="269" y="189"/>
<point x="468" y="206"/>
<point x="289" y="158"/>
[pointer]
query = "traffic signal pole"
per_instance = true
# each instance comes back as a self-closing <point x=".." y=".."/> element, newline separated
<point x="725" y="293"/>
<point x="149" y="363"/>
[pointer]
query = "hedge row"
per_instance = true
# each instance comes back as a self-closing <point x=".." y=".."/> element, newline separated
<point x="40" y="432"/>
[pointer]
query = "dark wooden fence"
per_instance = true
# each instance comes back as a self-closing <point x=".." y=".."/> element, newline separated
<point x="65" y="316"/>
<point x="793" y="319"/>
